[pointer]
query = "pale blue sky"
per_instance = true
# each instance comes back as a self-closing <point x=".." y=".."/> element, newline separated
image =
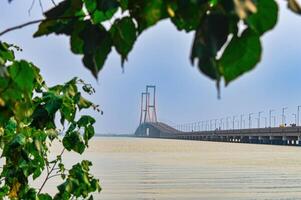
<point x="161" y="57"/>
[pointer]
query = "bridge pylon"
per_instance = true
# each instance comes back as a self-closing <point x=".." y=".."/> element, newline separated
<point x="148" y="109"/>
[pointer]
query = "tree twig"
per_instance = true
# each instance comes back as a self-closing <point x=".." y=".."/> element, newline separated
<point x="54" y="175"/>
<point x="49" y="173"/>
<point x="38" y="21"/>
<point x="41" y="6"/>
<point x="53" y="2"/>
<point x="31" y="6"/>
<point x="21" y="26"/>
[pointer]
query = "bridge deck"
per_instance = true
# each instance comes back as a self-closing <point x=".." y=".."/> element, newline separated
<point x="280" y="135"/>
<point x="281" y="131"/>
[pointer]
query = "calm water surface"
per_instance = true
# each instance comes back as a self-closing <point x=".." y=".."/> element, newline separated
<point x="137" y="168"/>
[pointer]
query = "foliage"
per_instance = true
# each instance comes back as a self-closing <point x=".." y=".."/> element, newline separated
<point x="28" y="109"/>
<point x="223" y="48"/>
<point x="227" y="44"/>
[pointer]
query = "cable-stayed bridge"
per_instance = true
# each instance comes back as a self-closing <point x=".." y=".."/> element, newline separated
<point x="150" y="127"/>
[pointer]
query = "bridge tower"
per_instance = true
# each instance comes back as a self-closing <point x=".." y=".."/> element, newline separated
<point x="143" y="110"/>
<point x="148" y="105"/>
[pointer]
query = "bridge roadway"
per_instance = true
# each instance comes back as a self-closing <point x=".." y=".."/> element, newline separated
<point x="274" y="135"/>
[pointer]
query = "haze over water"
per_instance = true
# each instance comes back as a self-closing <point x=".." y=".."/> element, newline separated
<point x="137" y="168"/>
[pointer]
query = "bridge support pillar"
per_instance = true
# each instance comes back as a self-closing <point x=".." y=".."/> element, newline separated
<point x="299" y="140"/>
<point x="236" y="139"/>
<point x="285" y="141"/>
<point x="253" y="139"/>
<point x="244" y="139"/>
<point x="223" y="138"/>
<point x="276" y="140"/>
<point x="214" y="138"/>
<point x="295" y="140"/>
<point x="290" y="140"/>
<point x="264" y="140"/>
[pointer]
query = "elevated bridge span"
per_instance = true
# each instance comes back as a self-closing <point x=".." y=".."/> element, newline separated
<point x="281" y="135"/>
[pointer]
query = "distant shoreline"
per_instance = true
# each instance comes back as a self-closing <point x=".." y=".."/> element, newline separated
<point x="114" y="135"/>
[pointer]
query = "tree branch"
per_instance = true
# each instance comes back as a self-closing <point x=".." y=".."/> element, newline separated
<point x="41" y="6"/>
<point x="47" y="19"/>
<point x="54" y="176"/>
<point x="53" y="2"/>
<point x="31" y="6"/>
<point x="49" y="173"/>
<point x="38" y="21"/>
<point x="21" y="26"/>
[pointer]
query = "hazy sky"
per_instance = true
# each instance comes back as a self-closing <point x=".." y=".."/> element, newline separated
<point x="161" y="57"/>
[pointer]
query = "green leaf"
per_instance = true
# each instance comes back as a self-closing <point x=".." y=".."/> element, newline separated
<point x="73" y="141"/>
<point x="44" y="197"/>
<point x="41" y="118"/>
<point x="53" y="103"/>
<point x="83" y="103"/>
<point x="67" y="8"/>
<point x="265" y="18"/>
<point x="85" y="120"/>
<point x="241" y="55"/>
<point x="147" y="13"/>
<point x="77" y="43"/>
<point x="95" y="186"/>
<point x="123" y="4"/>
<point x="70" y="88"/>
<point x="4" y="191"/>
<point x="187" y="14"/>
<point x="65" y="190"/>
<point x="5" y="53"/>
<point x="10" y="127"/>
<point x="36" y="174"/>
<point x="123" y="33"/>
<point x="86" y="164"/>
<point x="23" y="74"/>
<point x="71" y="128"/>
<point x="19" y="140"/>
<point x="101" y="10"/>
<point x="61" y="18"/>
<point x="47" y="27"/>
<point x="97" y="46"/>
<point x="209" y="38"/>
<point x="89" y="133"/>
<point x="68" y="109"/>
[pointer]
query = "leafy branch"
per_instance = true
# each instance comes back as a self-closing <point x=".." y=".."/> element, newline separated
<point x="28" y="128"/>
<point x="212" y="21"/>
<point x="49" y="172"/>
